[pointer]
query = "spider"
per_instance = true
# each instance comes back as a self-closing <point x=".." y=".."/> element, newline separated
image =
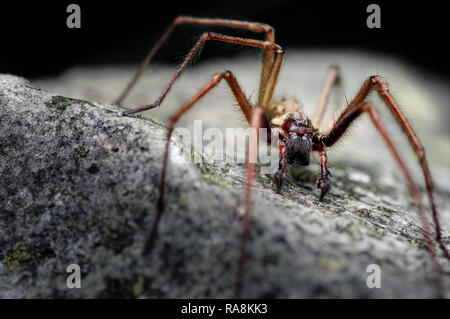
<point x="299" y="135"/>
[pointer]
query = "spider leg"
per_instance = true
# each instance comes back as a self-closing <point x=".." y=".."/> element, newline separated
<point x="215" y="80"/>
<point x="324" y="183"/>
<point x="345" y="120"/>
<point x="251" y="26"/>
<point x="257" y="122"/>
<point x="255" y="116"/>
<point x="331" y="79"/>
<point x="280" y="174"/>
<point x="334" y="132"/>
<point x="265" y="45"/>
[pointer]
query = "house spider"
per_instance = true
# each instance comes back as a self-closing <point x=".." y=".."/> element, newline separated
<point x="298" y="135"/>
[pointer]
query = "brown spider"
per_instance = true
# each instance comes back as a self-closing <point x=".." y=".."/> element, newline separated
<point x="298" y="134"/>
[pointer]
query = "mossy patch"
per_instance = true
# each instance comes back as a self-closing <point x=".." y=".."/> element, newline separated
<point x="330" y="264"/>
<point x="138" y="286"/>
<point x="205" y="170"/>
<point x="417" y="243"/>
<point x="386" y="210"/>
<point x="18" y="257"/>
<point x="148" y="119"/>
<point x="60" y="103"/>
<point x="183" y="199"/>
<point x="387" y="265"/>
<point x="124" y="287"/>
<point x="80" y="152"/>
<point x="196" y="157"/>
<point x="218" y="180"/>
<point x="375" y="232"/>
<point x="354" y="228"/>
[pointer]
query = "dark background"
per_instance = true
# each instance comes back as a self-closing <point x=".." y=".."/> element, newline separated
<point x="35" y="41"/>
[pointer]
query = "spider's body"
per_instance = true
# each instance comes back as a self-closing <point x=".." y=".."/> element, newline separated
<point x="295" y="130"/>
<point x="298" y="138"/>
<point x="299" y="135"/>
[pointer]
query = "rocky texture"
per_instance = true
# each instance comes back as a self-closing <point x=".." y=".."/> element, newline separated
<point x="79" y="184"/>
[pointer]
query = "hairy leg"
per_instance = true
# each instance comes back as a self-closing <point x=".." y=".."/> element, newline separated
<point x="280" y="174"/>
<point x="256" y="118"/>
<point x="245" y="107"/>
<point x="324" y="183"/>
<point x="257" y="122"/>
<point x="333" y="132"/>
<point x="251" y="26"/>
<point x="344" y="121"/>
<point x="265" y="45"/>
<point x="331" y="79"/>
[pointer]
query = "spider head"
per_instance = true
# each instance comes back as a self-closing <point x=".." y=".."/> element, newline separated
<point x="298" y="131"/>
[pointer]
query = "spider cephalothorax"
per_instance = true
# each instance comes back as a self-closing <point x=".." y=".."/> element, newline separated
<point x="299" y="136"/>
<point x="297" y="132"/>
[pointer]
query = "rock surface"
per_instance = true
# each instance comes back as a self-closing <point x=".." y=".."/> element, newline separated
<point x="79" y="183"/>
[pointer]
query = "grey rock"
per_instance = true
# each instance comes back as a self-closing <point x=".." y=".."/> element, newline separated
<point x="79" y="184"/>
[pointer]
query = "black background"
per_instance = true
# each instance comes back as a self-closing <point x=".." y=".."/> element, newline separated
<point x="35" y="40"/>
